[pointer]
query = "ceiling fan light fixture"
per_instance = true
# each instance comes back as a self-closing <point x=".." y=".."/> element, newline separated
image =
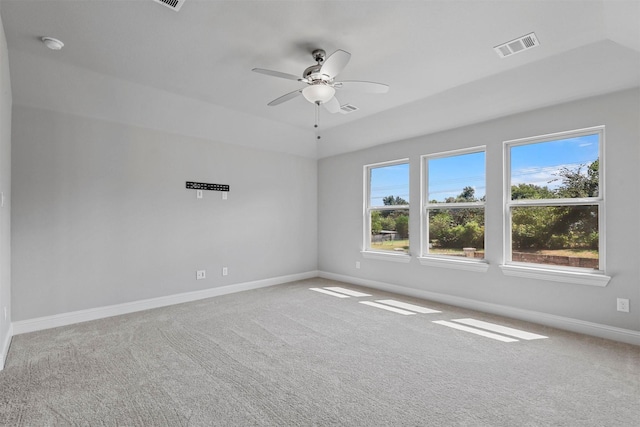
<point x="318" y="93"/>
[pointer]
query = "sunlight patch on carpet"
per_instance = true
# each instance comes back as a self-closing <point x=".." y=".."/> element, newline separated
<point x="347" y="291"/>
<point x="407" y="306"/>
<point x="333" y="294"/>
<point x="388" y="308"/>
<point x="475" y="331"/>
<point x="500" y="329"/>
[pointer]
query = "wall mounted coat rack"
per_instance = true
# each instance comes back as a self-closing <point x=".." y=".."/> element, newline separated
<point x="204" y="186"/>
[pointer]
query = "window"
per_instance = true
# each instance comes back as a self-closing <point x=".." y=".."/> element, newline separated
<point x="555" y="201"/>
<point x="387" y="208"/>
<point x="453" y="209"/>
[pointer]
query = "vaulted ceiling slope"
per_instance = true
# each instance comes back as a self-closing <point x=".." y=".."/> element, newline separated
<point x="189" y="72"/>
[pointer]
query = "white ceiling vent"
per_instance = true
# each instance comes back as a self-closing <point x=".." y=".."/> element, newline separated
<point x="348" y="108"/>
<point x="517" y="45"/>
<point x="172" y="4"/>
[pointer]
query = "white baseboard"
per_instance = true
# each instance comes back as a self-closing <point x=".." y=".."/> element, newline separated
<point x="574" y="325"/>
<point x="4" y="347"/>
<point x="64" y="319"/>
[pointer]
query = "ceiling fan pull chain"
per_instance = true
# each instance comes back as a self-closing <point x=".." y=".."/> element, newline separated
<point x="317" y="125"/>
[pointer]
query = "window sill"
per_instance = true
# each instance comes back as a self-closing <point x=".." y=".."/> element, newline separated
<point x="458" y="264"/>
<point x="404" y="258"/>
<point x="574" y="277"/>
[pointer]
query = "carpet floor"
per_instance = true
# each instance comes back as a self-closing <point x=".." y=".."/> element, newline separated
<point x="291" y="356"/>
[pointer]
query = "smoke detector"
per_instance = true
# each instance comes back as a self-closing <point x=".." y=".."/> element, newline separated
<point x="53" y="44"/>
<point x="171" y="4"/>
<point x="518" y="45"/>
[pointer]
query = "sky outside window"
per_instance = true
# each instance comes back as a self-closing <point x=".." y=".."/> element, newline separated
<point x="536" y="164"/>
<point x="389" y="181"/>
<point x="539" y="164"/>
<point x="448" y="176"/>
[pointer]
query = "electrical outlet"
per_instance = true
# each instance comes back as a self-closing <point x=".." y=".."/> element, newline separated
<point x="224" y="195"/>
<point x="199" y="194"/>
<point x="5" y="313"/>
<point x="201" y="274"/>
<point x="357" y="264"/>
<point x="225" y="271"/>
<point x="623" y="305"/>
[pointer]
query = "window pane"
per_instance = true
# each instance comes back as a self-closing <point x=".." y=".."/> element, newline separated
<point x="555" y="235"/>
<point x="389" y="185"/>
<point x="390" y="230"/>
<point x="459" y="178"/>
<point x="451" y="231"/>
<point x="564" y="168"/>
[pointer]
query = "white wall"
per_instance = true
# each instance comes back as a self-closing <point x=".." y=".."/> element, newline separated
<point x="5" y="188"/>
<point x="101" y="215"/>
<point x="340" y="201"/>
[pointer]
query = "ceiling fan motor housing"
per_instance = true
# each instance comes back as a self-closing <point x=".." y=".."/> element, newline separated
<point x="313" y="74"/>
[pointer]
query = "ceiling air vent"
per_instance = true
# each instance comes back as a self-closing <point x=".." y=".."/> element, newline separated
<point x="172" y="4"/>
<point x="517" y="45"/>
<point x="348" y="108"/>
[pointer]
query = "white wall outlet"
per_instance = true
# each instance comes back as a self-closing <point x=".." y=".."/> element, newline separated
<point x="5" y="313"/>
<point x="357" y="264"/>
<point x="201" y="274"/>
<point x="199" y="194"/>
<point x="623" y="305"/>
<point x="224" y="195"/>
<point x="225" y="271"/>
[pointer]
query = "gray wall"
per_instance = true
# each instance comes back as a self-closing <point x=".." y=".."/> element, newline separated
<point x="340" y="201"/>
<point x="5" y="187"/>
<point x="101" y="215"/>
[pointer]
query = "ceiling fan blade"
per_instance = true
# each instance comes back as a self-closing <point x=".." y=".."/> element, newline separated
<point x="368" y="87"/>
<point x="285" y="98"/>
<point x="335" y="63"/>
<point x="276" y="74"/>
<point x="332" y="105"/>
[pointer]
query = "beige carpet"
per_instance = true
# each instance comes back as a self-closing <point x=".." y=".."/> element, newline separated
<point x="290" y="356"/>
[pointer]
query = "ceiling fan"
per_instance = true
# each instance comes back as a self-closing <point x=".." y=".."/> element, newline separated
<point x="320" y="79"/>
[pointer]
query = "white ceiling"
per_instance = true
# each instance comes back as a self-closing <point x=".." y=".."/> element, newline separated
<point x="189" y="72"/>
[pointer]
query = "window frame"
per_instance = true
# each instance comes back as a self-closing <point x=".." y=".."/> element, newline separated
<point x="567" y="274"/>
<point x="440" y="260"/>
<point x="367" y="251"/>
